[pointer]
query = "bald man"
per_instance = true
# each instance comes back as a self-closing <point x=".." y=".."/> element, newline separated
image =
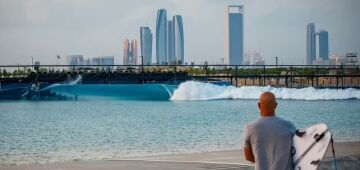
<point x="268" y="139"/>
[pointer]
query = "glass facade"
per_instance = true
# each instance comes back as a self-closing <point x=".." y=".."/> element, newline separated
<point x="171" y="43"/>
<point x="234" y="35"/>
<point x="161" y="37"/>
<point x="310" y="44"/>
<point x="178" y="39"/>
<point x="146" y="44"/>
<point x="323" y="45"/>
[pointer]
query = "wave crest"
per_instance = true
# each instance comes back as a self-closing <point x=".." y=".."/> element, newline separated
<point x="192" y="90"/>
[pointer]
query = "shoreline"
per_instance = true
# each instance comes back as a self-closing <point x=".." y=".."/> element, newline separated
<point x="347" y="155"/>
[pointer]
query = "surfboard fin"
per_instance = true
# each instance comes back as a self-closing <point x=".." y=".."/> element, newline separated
<point x="315" y="162"/>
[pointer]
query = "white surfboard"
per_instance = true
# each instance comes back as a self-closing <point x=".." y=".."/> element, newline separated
<point x="309" y="146"/>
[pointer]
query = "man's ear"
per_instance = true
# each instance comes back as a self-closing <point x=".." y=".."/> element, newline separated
<point x="259" y="105"/>
<point x="275" y="104"/>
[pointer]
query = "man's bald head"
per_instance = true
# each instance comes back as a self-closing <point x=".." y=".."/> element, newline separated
<point x="267" y="104"/>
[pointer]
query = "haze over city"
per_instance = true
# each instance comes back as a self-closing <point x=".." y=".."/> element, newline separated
<point x="46" y="28"/>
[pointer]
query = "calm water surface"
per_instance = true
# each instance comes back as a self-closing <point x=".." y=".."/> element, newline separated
<point x="57" y="131"/>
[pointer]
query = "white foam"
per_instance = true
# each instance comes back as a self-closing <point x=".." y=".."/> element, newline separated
<point x="192" y="90"/>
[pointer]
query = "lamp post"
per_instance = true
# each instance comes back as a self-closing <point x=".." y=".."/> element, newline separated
<point x="142" y="63"/>
<point x="276" y="61"/>
<point x="32" y="62"/>
<point x="142" y="68"/>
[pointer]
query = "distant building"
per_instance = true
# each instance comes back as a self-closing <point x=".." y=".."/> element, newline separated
<point x="337" y="60"/>
<point x="171" y="43"/>
<point x="323" y="45"/>
<point x="96" y="61"/>
<point x="107" y="60"/>
<point x="126" y="52"/>
<point x="310" y="44"/>
<point x="103" y="60"/>
<point x="253" y="58"/>
<point x="75" y="60"/>
<point x="247" y="58"/>
<point x="234" y="35"/>
<point x="178" y="38"/>
<point x="146" y="44"/>
<point x="351" y="59"/>
<point x="130" y="52"/>
<point x="134" y="52"/>
<point x="161" y="37"/>
<point x="87" y="61"/>
<point x="257" y="59"/>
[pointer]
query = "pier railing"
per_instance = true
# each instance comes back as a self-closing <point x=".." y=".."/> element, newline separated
<point x="295" y="76"/>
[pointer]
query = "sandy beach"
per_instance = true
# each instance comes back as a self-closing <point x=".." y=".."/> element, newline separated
<point x="347" y="154"/>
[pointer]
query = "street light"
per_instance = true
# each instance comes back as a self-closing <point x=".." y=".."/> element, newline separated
<point x="142" y="63"/>
<point x="32" y="62"/>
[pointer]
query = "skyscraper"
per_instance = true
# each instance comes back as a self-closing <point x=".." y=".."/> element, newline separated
<point x="178" y="39"/>
<point x="134" y="54"/>
<point x="234" y="35"/>
<point x="323" y="45"/>
<point x="127" y="52"/>
<point x="161" y="37"/>
<point x="171" y="41"/>
<point x="310" y="44"/>
<point x="130" y="52"/>
<point x="146" y="44"/>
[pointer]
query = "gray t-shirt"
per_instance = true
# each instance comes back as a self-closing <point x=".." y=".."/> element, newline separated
<point x="270" y="139"/>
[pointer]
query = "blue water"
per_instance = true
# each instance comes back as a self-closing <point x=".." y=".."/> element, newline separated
<point x="111" y="128"/>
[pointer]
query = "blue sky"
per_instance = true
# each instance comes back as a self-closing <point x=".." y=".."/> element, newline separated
<point x="45" y="28"/>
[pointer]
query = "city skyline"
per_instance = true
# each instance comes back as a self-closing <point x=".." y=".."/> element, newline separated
<point x="43" y="29"/>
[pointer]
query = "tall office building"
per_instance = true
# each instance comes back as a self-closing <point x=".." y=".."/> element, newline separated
<point x="171" y="41"/>
<point x="146" y="44"/>
<point x="161" y="37"/>
<point x="178" y="39"/>
<point x="127" y="52"/>
<point x="130" y="52"/>
<point x="323" y="45"/>
<point x="234" y="35"/>
<point x="134" y="54"/>
<point x="310" y="44"/>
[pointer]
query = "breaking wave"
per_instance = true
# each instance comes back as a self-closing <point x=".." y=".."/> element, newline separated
<point x="192" y="90"/>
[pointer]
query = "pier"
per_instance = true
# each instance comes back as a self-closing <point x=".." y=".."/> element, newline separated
<point x="290" y="76"/>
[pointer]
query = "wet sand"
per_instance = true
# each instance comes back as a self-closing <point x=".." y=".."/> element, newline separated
<point x="347" y="156"/>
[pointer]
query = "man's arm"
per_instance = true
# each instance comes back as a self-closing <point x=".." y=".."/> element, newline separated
<point x="249" y="156"/>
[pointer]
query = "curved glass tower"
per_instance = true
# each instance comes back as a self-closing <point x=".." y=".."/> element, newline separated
<point x="178" y="39"/>
<point x="310" y="44"/>
<point x="134" y="54"/>
<point x="161" y="37"/>
<point x="171" y="50"/>
<point x="127" y="52"/>
<point x="146" y="44"/>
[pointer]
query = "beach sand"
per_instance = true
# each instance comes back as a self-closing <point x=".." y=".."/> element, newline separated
<point x="347" y="156"/>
